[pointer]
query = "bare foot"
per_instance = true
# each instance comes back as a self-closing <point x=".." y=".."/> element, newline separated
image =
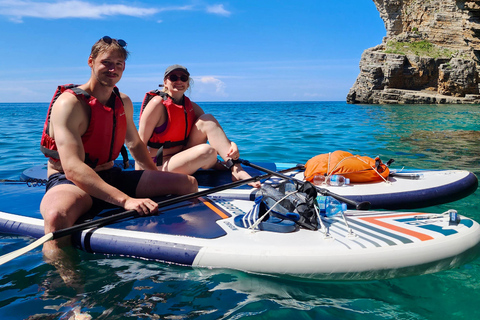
<point x="78" y="315"/>
<point x="65" y="261"/>
<point x="239" y="174"/>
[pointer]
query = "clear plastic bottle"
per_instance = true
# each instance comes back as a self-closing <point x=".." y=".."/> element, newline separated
<point x="333" y="180"/>
<point x="318" y="179"/>
<point x="329" y="206"/>
<point x="337" y="180"/>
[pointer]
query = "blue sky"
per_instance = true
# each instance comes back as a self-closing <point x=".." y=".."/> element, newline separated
<point x="238" y="50"/>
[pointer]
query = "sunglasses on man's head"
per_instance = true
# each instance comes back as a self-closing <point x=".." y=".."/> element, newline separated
<point x="174" y="77"/>
<point x="109" y="40"/>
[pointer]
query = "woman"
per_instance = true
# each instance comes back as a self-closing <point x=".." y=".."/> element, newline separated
<point x="176" y="130"/>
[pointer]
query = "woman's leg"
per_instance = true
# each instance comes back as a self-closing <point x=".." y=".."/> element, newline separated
<point x="207" y="128"/>
<point x="190" y="160"/>
<point x="154" y="183"/>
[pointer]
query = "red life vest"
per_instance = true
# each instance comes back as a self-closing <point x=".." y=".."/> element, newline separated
<point x="180" y="121"/>
<point x="106" y="130"/>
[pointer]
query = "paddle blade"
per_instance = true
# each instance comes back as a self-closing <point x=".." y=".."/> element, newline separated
<point x="365" y="205"/>
<point x="14" y="254"/>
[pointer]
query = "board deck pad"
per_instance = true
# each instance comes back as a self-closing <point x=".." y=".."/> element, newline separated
<point x="195" y="218"/>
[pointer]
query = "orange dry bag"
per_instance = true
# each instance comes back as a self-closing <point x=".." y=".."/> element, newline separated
<point x="356" y="168"/>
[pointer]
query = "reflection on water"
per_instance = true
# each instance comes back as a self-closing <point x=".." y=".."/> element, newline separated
<point x="127" y="288"/>
<point x="457" y="149"/>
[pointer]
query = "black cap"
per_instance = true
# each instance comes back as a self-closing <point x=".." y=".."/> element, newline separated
<point x="176" y="67"/>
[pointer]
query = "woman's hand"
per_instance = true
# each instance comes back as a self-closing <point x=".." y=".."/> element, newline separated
<point x="233" y="152"/>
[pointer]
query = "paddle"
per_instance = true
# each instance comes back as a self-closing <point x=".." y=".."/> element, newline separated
<point x="127" y="214"/>
<point x="365" y="205"/>
<point x="10" y="181"/>
<point x="29" y="182"/>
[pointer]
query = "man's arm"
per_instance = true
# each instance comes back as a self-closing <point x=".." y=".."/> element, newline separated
<point x="69" y="121"/>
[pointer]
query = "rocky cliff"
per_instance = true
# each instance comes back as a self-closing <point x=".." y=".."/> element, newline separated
<point x="431" y="54"/>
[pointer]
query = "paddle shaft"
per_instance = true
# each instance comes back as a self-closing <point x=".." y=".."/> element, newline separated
<point x="29" y="182"/>
<point x="164" y="203"/>
<point x="360" y="206"/>
<point x="128" y="214"/>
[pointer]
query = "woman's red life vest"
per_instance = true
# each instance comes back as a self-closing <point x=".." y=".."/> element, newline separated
<point x="106" y="130"/>
<point x="180" y="121"/>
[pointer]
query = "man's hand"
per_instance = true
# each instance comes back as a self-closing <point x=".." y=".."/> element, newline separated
<point x="142" y="206"/>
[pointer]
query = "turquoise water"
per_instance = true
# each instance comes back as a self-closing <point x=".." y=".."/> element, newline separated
<point x="439" y="137"/>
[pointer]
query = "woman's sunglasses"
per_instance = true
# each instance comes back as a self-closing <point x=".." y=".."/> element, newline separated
<point x="174" y="77"/>
<point x="109" y="40"/>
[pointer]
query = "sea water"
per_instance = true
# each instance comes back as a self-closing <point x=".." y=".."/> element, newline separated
<point x="112" y="287"/>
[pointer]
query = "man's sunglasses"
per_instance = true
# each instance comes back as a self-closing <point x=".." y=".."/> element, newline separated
<point x="109" y="40"/>
<point x="174" y="77"/>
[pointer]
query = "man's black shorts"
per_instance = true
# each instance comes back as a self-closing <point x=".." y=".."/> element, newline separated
<point x="125" y="181"/>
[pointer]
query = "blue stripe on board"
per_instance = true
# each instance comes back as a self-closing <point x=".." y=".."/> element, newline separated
<point x="135" y="247"/>
<point x="9" y="226"/>
<point x="376" y="244"/>
<point x="445" y="232"/>
<point x="467" y="222"/>
<point x="386" y="233"/>
<point x="428" y="226"/>
<point x="344" y="229"/>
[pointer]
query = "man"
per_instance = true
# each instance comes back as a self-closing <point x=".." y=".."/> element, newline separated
<point x="84" y="131"/>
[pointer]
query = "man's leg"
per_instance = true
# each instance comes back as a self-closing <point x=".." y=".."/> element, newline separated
<point x="156" y="183"/>
<point x="208" y="128"/>
<point x="61" y="206"/>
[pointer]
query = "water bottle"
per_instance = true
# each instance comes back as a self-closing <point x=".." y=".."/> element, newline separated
<point x="337" y="180"/>
<point x="329" y="206"/>
<point x="333" y="180"/>
<point x="318" y="179"/>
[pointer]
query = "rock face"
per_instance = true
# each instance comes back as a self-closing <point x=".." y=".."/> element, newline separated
<point x="431" y="54"/>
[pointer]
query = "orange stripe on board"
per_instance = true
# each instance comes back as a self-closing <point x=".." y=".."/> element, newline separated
<point x="418" y="235"/>
<point x="214" y="209"/>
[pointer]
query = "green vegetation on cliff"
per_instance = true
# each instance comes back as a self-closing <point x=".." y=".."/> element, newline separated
<point x="421" y="48"/>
